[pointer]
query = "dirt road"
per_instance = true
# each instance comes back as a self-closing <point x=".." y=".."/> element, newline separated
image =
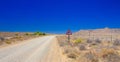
<point x="35" y="50"/>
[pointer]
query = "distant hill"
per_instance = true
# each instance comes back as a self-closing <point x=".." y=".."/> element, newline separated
<point x="98" y="33"/>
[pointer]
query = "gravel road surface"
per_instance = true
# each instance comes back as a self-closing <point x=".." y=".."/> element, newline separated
<point x="29" y="51"/>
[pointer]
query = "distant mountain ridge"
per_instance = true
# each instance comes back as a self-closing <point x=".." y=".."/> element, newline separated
<point x="98" y="33"/>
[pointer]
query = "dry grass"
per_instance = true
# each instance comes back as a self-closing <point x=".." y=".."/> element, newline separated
<point x="90" y="51"/>
<point x="104" y="55"/>
<point x="14" y="37"/>
<point x="8" y="42"/>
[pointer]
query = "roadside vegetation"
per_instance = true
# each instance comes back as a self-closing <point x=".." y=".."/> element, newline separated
<point x="11" y="37"/>
<point x="39" y="33"/>
<point x="87" y="50"/>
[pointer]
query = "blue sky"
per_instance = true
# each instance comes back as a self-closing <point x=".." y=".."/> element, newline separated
<point x="56" y="16"/>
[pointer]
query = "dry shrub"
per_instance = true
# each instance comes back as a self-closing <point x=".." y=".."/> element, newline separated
<point x="103" y="51"/>
<point x="95" y="53"/>
<point x="62" y="40"/>
<point x="1" y="42"/>
<point x="2" y="38"/>
<point x="71" y="52"/>
<point x="104" y="55"/>
<point x="87" y="56"/>
<point x="8" y="42"/>
<point x="116" y="42"/>
<point x="110" y="55"/>
<point x="18" y="37"/>
<point x="98" y="41"/>
<point x="66" y="50"/>
<point x="106" y="51"/>
<point x="63" y="43"/>
<point x="92" y="45"/>
<point x="82" y="47"/>
<point x="89" y="41"/>
<point x="69" y="49"/>
<point x="72" y="55"/>
<point x="91" y="57"/>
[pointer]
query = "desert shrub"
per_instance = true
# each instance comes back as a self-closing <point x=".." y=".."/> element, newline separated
<point x="63" y="43"/>
<point x="26" y="34"/>
<point x="108" y="42"/>
<point x="110" y="55"/>
<point x="106" y="51"/>
<point x="89" y="41"/>
<point x="72" y="55"/>
<point x="116" y="42"/>
<point x="39" y="33"/>
<point x="67" y="49"/>
<point x="2" y="39"/>
<point x="98" y="41"/>
<point x="91" y="57"/>
<point x="82" y="47"/>
<point x="18" y="37"/>
<point x="93" y="44"/>
<point x="16" y="34"/>
<point x="1" y="42"/>
<point x="62" y="40"/>
<point x="44" y="34"/>
<point x="112" y="58"/>
<point x="78" y="41"/>
<point x="71" y="52"/>
<point x="102" y="55"/>
<point x="8" y="42"/>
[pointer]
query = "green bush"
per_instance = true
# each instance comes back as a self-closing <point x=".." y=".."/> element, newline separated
<point x="78" y="41"/>
<point x="26" y="34"/>
<point x="39" y="33"/>
<point x="44" y="34"/>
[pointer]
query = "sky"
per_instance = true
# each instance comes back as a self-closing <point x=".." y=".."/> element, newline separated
<point x="57" y="16"/>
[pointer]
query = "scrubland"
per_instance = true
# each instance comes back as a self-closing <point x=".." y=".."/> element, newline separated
<point x="7" y="38"/>
<point x="89" y="50"/>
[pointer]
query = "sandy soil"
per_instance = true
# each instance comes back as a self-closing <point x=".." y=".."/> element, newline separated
<point x="55" y="54"/>
<point x="43" y="49"/>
